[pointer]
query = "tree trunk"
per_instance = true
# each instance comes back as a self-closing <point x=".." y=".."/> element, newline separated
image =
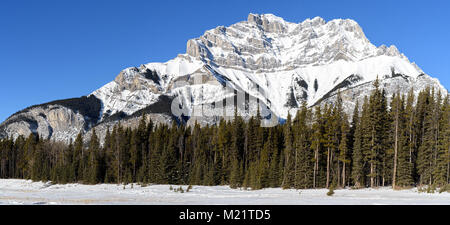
<point x="328" y="168"/>
<point x="395" y="149"/>
<point x="295" y="169"/>
<point x="315" y="166"/>
<point x="286" y="163"/>
<point x="343" y="174"/>
<point x="372" y="169"/>
<point x="338" y="173"/>
<point x="448" y="166"/>
<point x="431" y="174"/>
<point x="410" y="138"/>
<point x="371" y="175"/>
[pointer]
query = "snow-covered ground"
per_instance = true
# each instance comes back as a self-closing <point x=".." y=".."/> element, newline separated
<point x="27" y="192"/>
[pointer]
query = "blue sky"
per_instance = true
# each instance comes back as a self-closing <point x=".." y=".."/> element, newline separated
<point x="61" y="49"/>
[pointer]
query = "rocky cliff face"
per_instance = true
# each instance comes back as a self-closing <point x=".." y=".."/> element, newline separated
<point x="58" y="120"/>
<point x="268" y="43"/>
<point x="263" y="60"/>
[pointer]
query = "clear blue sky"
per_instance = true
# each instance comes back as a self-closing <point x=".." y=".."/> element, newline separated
<point x="60" y="49"/>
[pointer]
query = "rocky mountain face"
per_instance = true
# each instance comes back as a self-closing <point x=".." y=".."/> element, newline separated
<point x="264" y="61"/>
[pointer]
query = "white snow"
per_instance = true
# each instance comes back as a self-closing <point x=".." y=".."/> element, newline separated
<point x="13" y="191"/>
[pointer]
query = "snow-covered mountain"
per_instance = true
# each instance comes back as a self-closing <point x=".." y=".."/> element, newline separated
<point x="278" y="63"/>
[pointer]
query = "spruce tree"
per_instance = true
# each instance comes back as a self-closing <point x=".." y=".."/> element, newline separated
<point x="410" y="113"/>
<point x="357" y="155"/>
<point x="344" y="157"/>
<point x="92" y="173"/>
<point x="427" y="144"/>
<point x="405" y="168"/>
<point x="316" y="144"/>
<point x="329" y="143"/>
<point x="376" y="134"/>
<point x="289" y="156"/>
<point x="441" y="171"/>
<point x="304" y="158"/>
<point x="78" y="154"/>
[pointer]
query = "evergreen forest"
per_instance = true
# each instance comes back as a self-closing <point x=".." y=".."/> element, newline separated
<point x="400" y="141"/>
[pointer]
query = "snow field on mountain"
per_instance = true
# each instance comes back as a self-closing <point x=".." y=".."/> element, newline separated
<point x="278" y="56"/>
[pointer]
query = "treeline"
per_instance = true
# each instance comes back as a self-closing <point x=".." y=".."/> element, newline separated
<point x="403" y="143"/>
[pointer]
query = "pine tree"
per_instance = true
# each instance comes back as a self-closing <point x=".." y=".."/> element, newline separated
<point x="357" y="155"/>
<point x="168" y="158"/>
<point x="441" y="171"/>
<point x="337" y="119"/>
<point x="107" y="148"/>
<point x="134" y="152"/>
<point x="427" y="144"/>
<point x="395" y="108"/>
<point x="223" y="147"/>
<point x="238" y="149"/>
<point x="316" y="144"/>
<point x="343" y="150"/>
<point x="329" y="134"/>
<point x="70" y="170"/>
<point x="375" y="134"/>
<point x="404" y="169"/>
<point x="289" y="156"/>
<point x="304" y="158"/>
<point x="410" y="115"/>
<point x="274" y="170"/>
<point x="92" y="172"/>
<point x="235" y="176"/>
<point x="265" y="161"/>
<point x="78" y="155"/>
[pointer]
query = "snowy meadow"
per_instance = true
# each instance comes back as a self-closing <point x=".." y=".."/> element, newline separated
<point x="14" y="192"/>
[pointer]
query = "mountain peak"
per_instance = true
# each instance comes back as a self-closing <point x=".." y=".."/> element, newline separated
<point x="389" y="51"/>
<point x="316" y="21"/>
<point x="268" y="22"/>
<point x="259" y="18"/>
<point x="267" y="42"/>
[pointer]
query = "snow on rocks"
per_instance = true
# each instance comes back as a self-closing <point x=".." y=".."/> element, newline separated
<point x="272" y="54"/>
